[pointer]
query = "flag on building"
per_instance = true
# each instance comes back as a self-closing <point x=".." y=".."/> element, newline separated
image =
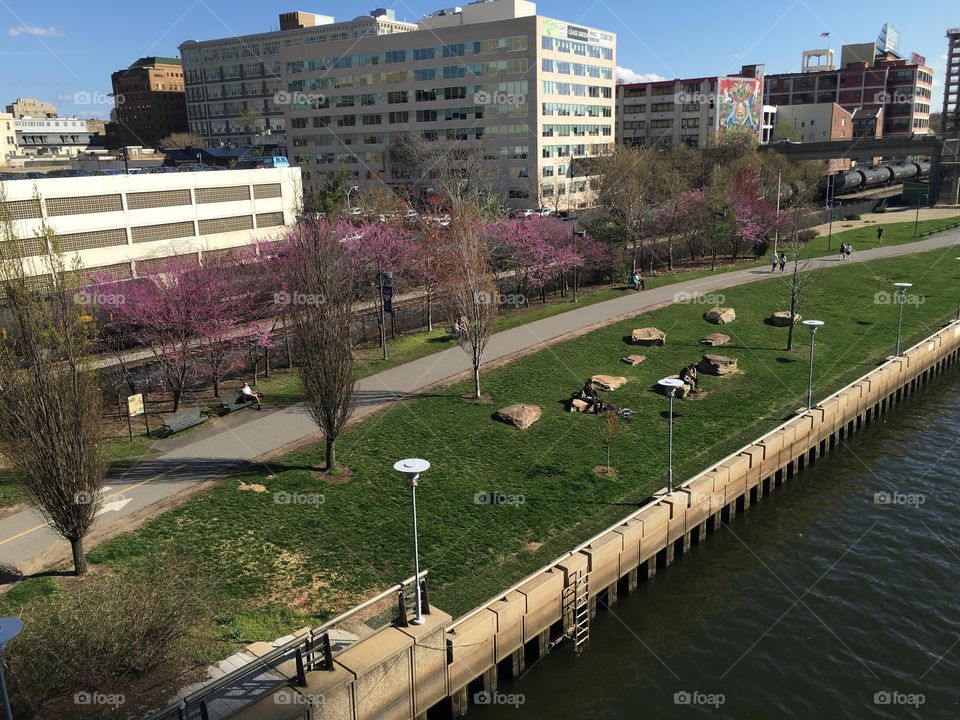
<point x="824" y="34"/>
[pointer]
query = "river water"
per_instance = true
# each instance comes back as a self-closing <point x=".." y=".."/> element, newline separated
<point x="837" y="596"/>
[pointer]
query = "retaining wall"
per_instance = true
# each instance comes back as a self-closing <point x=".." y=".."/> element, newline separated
<point x="401" y="673"/>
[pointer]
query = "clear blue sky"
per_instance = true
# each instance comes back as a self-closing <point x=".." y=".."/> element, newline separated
<point x="60" y="51"/>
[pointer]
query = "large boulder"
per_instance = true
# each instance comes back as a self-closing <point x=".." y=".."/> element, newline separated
<point x="633" y="359"/>
<point x="717" y="365"/>
<point x="579" y="406"/>
<point x="650" y="337"/>
<point x="608" y="382"/>
<point x="714" y="339"/>
<point x="720" y="316"/>
<point x="782" y="318"/>
<point x="520" y="415"/>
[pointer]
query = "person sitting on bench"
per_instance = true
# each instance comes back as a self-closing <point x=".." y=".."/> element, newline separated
<point x="589" y="395"/>
<point x="247" y="395"/>
<point x="689" y="376"/>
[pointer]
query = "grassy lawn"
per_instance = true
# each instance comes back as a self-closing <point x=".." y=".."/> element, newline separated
<point x="275" y="567"/>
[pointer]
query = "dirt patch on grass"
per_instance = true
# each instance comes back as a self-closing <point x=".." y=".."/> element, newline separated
<point x="252" y="487"/>
<point x="483" y="400"/>
<point x="340" y="476"/>
<point x="604" y="471"/>
<point x="533" y="546"/>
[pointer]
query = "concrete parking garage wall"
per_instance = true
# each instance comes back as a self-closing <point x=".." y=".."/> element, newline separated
<point x="400" y="673"/>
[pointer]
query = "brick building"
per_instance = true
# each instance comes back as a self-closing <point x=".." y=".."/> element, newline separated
<point x="150" y="101"/>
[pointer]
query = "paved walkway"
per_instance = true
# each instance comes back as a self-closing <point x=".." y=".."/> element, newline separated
<point x="243" y="439"/>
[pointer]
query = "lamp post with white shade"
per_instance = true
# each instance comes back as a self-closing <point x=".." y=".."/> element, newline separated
<point x="902" y="287"/>
<point x="411" y="469"/>
<point x="813" y="325"/>
<point x="671" y="385"/>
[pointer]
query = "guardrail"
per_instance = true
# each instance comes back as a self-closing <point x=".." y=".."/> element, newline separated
<point x="939" y="229"/>
<point x="288" y="664"/>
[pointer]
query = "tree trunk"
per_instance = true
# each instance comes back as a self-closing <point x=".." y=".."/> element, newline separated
<point x="177" y="397"/>
<point x="793" y="306"/>
<point x="429" y="310"/>
<point x="331" y="454"/>
<point x="79" y="559"/>
<point x="216" y="386"/>
<point x="476" y="381"/>
<point x="266" y="361"/>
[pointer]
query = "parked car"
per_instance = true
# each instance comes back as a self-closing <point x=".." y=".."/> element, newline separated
<point x="108" y="171"/>
<point x="162" y="169"/>
<point x="191" y="167"/>
<point x="544" y="212"/>
<point x="33" y="176"/>
<point x="67" y="173"/>
<point x="137" y="171"/>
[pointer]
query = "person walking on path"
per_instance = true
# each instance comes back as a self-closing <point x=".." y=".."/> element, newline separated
<point x="843" y="252"/>
<point x="774" y="259"/>
<point x="783" y="261"/>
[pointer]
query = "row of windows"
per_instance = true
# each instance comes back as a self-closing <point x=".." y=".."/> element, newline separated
<point x="563" y="67"/>
<point x="389" y="57"/>
<point x="549" y="109"/>
<point x="519" y="66"/>
<point x="577" y="48"/>
<point x="480" y="93"/>
<point x="576" y="89"/>
<point x="581" y="150"/>
<point x="551" y="130"/>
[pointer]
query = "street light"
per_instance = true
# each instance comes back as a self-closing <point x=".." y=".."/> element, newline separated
<point x="671" y="385"/>
<point x="411" y="469"/>
<point x="10" y="627"/>
<point x="813" y="325"/>
<point x="921" y="194"/>
<point x="903" y="291"/>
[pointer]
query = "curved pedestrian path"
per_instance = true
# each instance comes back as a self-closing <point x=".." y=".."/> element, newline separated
<point x="28" y="546"/>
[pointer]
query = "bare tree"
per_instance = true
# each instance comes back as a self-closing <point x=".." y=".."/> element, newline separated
<point x="632" y="183"/>
<point x="470" y="288"/>
<point x="181" y="140"/>
<point x="51" y="405"/>
<point x="320" y="281"/>
<point x="457" y="170"/>
<point x="800" y="280"/>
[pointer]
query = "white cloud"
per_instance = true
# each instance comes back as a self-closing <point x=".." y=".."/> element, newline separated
<point x="18" y="30"/>
<point x="626" y="75"/>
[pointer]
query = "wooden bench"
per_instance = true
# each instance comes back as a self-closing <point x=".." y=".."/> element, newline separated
<point x="182" y="420"/>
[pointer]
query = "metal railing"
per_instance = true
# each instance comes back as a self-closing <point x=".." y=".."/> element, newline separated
<point x="288" y="664"/>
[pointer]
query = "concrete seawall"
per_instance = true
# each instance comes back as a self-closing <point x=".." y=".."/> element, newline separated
<point x="401" y="673"/>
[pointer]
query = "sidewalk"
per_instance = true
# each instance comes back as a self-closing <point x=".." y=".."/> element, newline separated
<point x="244" y="440"/>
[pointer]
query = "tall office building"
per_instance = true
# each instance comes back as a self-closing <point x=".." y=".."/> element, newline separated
<point x="150" y="100"/>
<point x="232" y="83"/>
<point x="532" y="95"/>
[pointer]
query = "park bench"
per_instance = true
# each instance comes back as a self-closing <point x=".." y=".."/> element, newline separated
<point x="175" y="422"/>
<point x="227" y="407"/>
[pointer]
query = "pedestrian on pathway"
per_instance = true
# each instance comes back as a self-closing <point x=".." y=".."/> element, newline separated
<point x="848" y="251"/>
<point x="783" y="261"/>
<point x="843" y="252"/>
<point x="880" y="233"/>
<point x="773" y="261"/>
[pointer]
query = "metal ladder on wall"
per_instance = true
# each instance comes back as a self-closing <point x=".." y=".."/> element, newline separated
<point x="576" y="603"/>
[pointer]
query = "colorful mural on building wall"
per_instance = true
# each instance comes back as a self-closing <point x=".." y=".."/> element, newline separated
<point x="739" y="105"/>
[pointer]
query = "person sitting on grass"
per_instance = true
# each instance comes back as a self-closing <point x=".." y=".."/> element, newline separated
<point x="248" y="395"/>
<point x="589" y="395"/>
<point x="689" y="376"/>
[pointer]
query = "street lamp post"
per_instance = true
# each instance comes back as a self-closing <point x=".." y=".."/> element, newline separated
<point x="813" y="325"/>
<point x="670" y="385"/>
<point x="830" y="195"/>
<point x="411" y="469"/>
<point x="902" y="286"/>
<point x="10" y="627"/>
<point x="916" y="221"/>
